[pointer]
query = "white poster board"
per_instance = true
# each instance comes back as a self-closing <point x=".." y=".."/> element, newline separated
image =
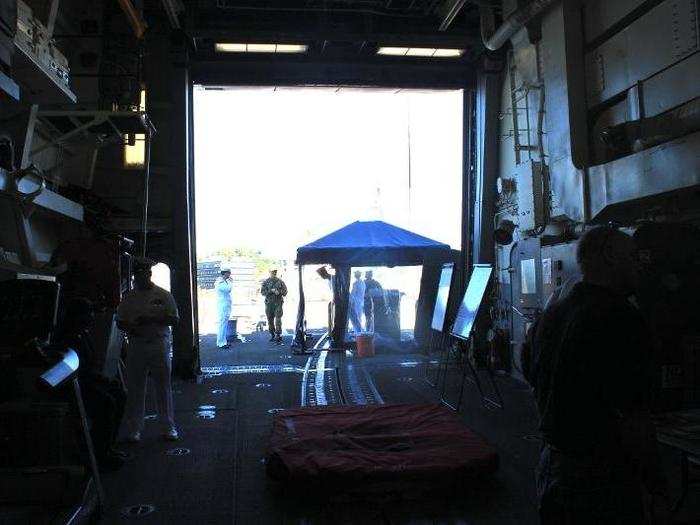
<point x="473" y="297"/>
<point x="443" y="295"/>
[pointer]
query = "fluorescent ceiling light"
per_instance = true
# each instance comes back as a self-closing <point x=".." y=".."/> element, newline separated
<point x="393" y="51"/>
<point x="448" y="53"/>
<point x="223" y="47"/>
<point x="291" y="48"/>
<point x="425" y="52"/>
<point x="420" y="52"/>
<point x="261" y="48"/>
<point x="230" y="48"/>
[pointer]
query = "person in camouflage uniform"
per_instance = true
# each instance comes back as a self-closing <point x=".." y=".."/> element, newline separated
<point x="274" y="290"/>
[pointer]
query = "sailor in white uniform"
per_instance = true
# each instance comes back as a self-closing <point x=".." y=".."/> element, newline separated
<point x="146" y="314"/>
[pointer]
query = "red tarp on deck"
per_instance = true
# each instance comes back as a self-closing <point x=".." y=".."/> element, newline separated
<point x="375" y="449"/>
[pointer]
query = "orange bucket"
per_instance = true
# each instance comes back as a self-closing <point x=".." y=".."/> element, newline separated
<point x="365" y="345"/>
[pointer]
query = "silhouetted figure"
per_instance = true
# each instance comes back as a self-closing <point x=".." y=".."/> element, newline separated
<point x="146" y="315"/>
<point x="357" y="302"/>
<point x="591" y="372"/>
<point x="374" y="299"/>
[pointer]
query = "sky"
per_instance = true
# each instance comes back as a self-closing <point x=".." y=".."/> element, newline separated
<point x="276" y="168"/>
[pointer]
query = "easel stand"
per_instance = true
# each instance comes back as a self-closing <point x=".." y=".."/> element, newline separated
<point x="473" y="377"/>
<point x="88" y="442"/>
<point x="435" y="343"/>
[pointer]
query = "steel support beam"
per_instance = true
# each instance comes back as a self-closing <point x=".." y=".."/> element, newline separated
<point x="9" y="86"/>
<point x="47" y="199"/>
<point x="487" y="107"/>
<point x="450" y="10"/>
<point x="134" y="17"/>
<point x="282" y="35"/>
<point x="467" y="192"/>
<point x="53" y="13"/>
<point x="383" y="73"/>
<point x="185" y="346"/>
<point x="196" y="363"/>
<point x="167" y="79"/>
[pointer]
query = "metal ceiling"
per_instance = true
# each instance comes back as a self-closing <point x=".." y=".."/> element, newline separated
<point x="341" y="38"/>
<point x="397" y="8"/>
<point x="454" y="17"/>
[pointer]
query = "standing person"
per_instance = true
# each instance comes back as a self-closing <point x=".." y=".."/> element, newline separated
<point x="223" y="285"/>
<point x="591" y="373"/>
<point x="373" y="292"/>
<point x="330" y="277"/>
<point x="146" y="314"/>
<point x="357" y="302"/>
<point x="274" y="290"/>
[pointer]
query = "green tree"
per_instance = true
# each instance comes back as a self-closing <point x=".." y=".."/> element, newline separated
<point x="263" y="264"/>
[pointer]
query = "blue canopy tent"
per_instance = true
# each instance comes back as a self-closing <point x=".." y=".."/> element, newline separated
<point x="371" y="243"/>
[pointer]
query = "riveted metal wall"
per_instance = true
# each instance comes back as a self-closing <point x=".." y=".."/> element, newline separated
<point x="598" y="64"/>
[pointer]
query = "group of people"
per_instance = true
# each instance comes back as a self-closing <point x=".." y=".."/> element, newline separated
<point x="273" y="289"/>
<point x="364" y="295"/>
<point x="589" y="361"/>
<point x="146" y="315"/>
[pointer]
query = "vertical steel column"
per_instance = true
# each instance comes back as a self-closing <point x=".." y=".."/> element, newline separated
<point x="193" y="226"/>
<point x="146" y="188"/>
<point x="29" y="136"/>
<point x="467" y="176"/>
<point x="185" y="353"/>
<point x="484" y="196"/>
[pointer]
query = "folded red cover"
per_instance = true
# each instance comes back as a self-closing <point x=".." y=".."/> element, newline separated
<point x="375" y="448"/>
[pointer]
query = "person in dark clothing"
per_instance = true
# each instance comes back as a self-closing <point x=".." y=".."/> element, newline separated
<point x="104" y="399"/>
<point x="591" y="372"/>
<point x="374" y="299"/>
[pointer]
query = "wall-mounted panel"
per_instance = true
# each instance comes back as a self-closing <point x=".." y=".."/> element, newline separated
<point x="530" y="177"/>
<point x="601" y="15"/>
<point x="655" y="41"/>
<point x="558" y="265"/>
<point x="673" y="86"/>
<point x="565" y="178"/>
<point x="525" y="293"/>
<point x="663" y="168"/>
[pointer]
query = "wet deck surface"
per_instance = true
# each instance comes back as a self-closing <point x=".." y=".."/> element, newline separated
<point x="225" y="424"/>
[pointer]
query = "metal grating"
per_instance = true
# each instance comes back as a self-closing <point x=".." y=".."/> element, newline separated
<point x="320" y="387"/>
<point x="358" y="386"/>
<point x="215" y="371"/>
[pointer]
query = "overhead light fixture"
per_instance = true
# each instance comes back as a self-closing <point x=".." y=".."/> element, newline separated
<point x="261" y="48"/>
<point x="393" y="51"/>
<point x="448" y="53"/>
<point x="424" y="52"/>
<point x="291" y="48"/>
<point x="231" y="48"/>
<point x="226" y="47"/>
<point x="420" y="52"/>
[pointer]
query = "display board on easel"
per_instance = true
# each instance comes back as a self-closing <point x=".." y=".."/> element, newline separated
<point x="471" y="303"/>
<point x="442" y="297"/>
<point x="463" y="328"/>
